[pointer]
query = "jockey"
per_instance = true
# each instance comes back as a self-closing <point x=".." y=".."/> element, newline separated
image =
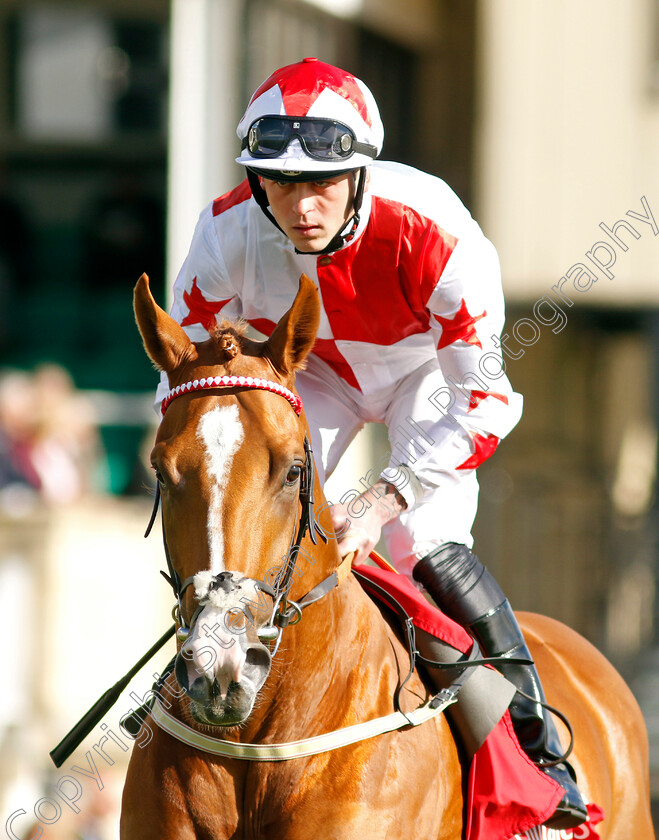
<point x="412" y="312"/>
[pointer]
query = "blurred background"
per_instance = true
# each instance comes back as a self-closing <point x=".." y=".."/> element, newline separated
<point x="117" y="125"/>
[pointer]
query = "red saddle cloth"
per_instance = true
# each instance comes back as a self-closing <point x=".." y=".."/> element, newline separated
<point x="507" y="795"/>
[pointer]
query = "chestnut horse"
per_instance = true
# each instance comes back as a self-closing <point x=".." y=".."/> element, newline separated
<point x="229" y="460"/>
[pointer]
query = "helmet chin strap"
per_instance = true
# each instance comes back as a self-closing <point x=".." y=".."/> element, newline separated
<point x="344" y="234"/>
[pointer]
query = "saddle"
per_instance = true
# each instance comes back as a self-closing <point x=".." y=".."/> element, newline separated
<point x="506" y="795"/>
<point x="440" y="646"/>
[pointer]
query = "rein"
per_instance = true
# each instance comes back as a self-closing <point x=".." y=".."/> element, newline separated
<point x="284" y="612"/>
<point x="334" y="739"/>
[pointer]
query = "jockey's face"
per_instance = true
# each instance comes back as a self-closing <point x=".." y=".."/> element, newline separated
<point x="311" y="213"/>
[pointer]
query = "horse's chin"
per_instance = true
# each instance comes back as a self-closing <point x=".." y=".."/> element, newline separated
<point x="231" y="710"/>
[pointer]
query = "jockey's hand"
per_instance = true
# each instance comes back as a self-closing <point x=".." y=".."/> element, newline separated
<point x="358" y="535"/>
<point x="358" y="524"/>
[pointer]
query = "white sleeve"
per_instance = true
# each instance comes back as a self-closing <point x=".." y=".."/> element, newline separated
<point x="477" y="405"/>
<point x="467" y="317"/>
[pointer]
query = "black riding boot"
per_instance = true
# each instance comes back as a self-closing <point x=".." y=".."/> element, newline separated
<point x="465" y="590"/>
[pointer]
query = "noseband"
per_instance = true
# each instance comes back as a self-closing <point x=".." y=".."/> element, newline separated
<point x="285" y="612"/>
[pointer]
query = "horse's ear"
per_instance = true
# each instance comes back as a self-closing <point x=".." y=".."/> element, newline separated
<point x="294" y="335"/>
<point x="165" y="341"/>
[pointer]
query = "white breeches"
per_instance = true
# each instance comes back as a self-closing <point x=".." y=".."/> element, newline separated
<point x="443" y="505"/>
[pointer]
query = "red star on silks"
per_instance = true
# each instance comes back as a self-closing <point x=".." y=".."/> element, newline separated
<point x="477" y="397"/>
<point x="202" y="311"/>
<point x="484" y="446"/>
<point x="461" y="327"/>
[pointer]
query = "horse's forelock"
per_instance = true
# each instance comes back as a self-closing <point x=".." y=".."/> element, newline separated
<point x="229" y="339"/>
<point x="236" y="328"/>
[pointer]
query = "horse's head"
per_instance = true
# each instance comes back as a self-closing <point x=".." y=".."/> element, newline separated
<point x="231" y="459"/>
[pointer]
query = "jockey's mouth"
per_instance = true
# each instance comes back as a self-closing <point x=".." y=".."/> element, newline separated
<point x="307" y="229"/>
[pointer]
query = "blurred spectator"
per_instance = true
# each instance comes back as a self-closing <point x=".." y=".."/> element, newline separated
<point x="48" y="436"/>
<point x="16" y="432"/>
<point x="66" y="446"/>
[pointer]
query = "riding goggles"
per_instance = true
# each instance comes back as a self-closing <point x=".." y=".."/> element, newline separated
<point x="321" y="139"/>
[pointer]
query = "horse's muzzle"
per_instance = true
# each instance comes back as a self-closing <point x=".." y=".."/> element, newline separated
<point x="221" y="666"/>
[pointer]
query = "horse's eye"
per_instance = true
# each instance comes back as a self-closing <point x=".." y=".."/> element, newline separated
<point x="293" y="475"/>
<point x="159" y="478"/>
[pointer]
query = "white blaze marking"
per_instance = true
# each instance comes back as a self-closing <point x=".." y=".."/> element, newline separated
<point x="221" y="432"/>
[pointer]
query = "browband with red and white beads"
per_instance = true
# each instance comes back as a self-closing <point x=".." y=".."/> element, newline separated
<point x="210" y="382"/>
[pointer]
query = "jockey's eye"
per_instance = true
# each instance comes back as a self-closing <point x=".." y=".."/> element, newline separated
<point x="293" y="475"/>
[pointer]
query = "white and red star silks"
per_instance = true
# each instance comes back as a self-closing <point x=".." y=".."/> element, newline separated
<point x="411" y="312"/>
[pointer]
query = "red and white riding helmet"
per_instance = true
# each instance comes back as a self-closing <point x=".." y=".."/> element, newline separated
<point x="310" y="117"/>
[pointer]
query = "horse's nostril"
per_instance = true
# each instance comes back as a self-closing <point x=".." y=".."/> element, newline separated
<point x="258" y="656"/>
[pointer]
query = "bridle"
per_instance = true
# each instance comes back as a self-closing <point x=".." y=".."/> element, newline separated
<point x="211" y="382"/>
<point x="285" y="612"/>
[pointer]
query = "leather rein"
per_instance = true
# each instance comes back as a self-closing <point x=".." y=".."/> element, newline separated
<point x="285" y="612"/>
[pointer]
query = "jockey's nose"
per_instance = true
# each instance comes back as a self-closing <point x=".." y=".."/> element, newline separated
<point x="303" y="201"/>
